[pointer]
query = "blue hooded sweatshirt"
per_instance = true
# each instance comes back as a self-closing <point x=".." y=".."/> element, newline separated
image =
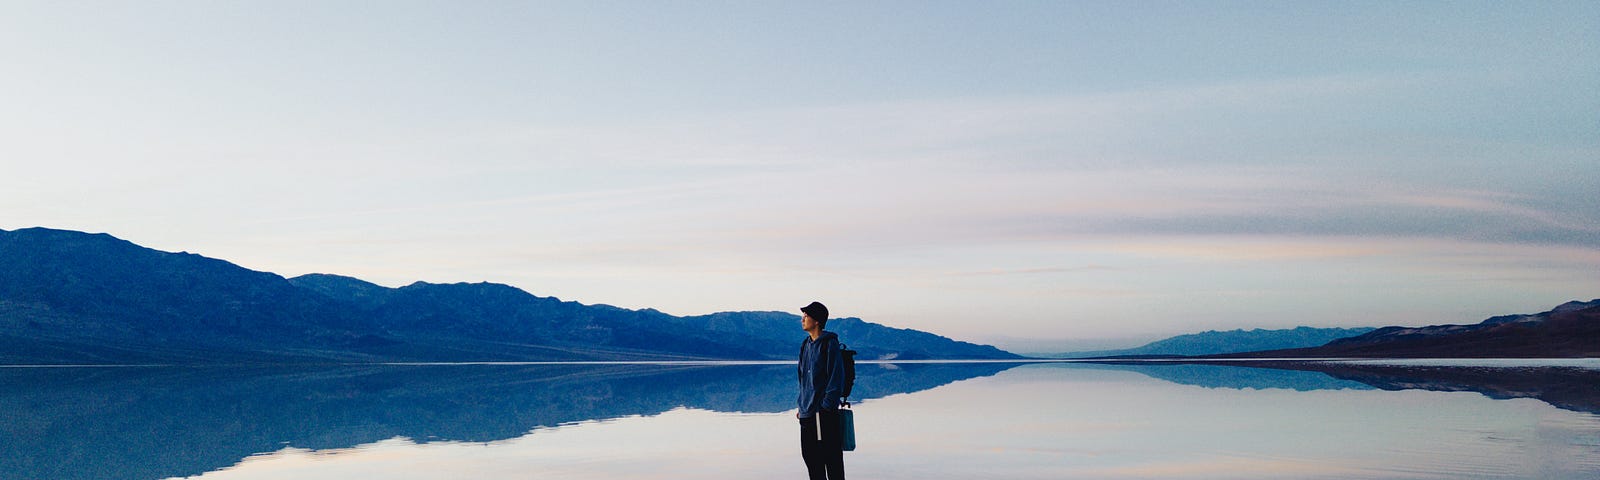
<point x="820" y="374"/>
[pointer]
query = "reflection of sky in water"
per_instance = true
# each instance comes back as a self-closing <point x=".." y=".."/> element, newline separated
<point x="1035" y="421"/>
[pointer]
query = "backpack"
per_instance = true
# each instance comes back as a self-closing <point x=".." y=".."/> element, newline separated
<point x="849" y="369"/>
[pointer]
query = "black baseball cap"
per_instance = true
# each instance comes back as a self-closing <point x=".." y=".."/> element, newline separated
<point x="816" y="310"/>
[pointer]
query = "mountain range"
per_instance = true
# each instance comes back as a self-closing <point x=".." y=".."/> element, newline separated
<point x="1232" y="341"/>
<point x="70" y="297"/>
<point x="1570" y="330"/>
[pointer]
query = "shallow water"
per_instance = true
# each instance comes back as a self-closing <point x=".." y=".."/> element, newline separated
<point x="1055" y="420"/>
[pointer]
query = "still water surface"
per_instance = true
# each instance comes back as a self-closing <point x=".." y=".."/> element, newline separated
<point x="990" y="420"/>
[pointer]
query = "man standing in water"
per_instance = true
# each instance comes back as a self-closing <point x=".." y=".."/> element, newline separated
<point x="821" y="384"/>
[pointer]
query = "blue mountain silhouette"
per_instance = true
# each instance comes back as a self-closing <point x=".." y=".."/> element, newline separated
<point x="1570" y="330"/>
<point x="1233" y="341"/>
<point x="75" y="298"/>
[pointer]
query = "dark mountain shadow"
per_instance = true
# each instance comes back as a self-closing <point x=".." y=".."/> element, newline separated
<point x="158" y="422"/>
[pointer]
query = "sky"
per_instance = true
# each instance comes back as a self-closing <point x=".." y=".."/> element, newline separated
<point x="1036" y="175"/>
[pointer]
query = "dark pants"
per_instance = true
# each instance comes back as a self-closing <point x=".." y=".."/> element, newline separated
<point x="824" y="458"/>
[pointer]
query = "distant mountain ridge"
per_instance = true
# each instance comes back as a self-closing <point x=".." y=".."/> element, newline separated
<point x="73" y="297"/>
<point x="1570" y="330"/>
<point x="1233" y="341"/>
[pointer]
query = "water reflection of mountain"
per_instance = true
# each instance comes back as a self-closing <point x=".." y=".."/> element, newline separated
<point x="1575" y="389"/>
<point x="1227" y="376"/>
<point x="144" y="423"/>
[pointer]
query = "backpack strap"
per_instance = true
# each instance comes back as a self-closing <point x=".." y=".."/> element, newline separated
<point x="844" y="401"/>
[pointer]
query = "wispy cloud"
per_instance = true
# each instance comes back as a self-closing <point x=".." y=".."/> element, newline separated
<point x="1037" y="270"/>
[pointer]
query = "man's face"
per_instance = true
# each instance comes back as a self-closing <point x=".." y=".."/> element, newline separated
<point x="806" y="323"/>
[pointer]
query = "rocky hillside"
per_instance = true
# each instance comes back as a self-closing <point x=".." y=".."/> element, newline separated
<point x="73" y="297"/>
<point x="1571" y="330"/>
